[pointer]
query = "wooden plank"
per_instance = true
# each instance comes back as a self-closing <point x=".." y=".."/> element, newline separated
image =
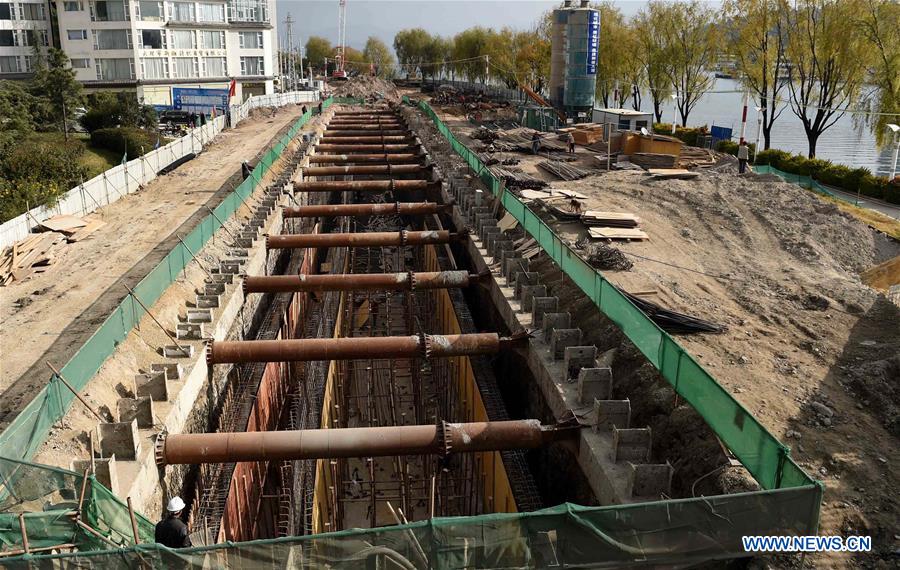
<point x="91" y="227"/>
<point x="63" y="223"/>
<point x="618" y="233"/>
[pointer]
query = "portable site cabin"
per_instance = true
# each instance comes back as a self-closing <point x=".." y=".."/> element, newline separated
<point x="624" y="119"/>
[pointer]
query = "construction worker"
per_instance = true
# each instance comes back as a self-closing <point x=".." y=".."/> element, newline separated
<point x="743" y="155"/>
<point x="171" y="531"/>
<point x="535" y="142"/>
<point x="570" y="140"/>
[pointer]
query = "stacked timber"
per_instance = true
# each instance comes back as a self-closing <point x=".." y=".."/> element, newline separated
<point x="648" y="160"/>
<point x="563" y="170"/>
<point x="37" y="252"/>
<point x="595" y="218"/>
<point x="517" y="178"/>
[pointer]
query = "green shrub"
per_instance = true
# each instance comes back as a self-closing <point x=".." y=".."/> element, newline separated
<point x="688" y="135"/>
<point x="107" y="110"/>
<point x="892" y="191"/>
<point x="731" y="147"/>
<point x="118" y="140"/>
<point x="849" y="179"/>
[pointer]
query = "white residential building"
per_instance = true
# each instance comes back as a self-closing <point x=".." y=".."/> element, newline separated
<point x="23" y="24"/>
<point x="149" y="46"/>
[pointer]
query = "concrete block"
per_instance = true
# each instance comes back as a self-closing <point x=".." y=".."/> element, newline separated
<point x="631" y="444"/>
<point x="138" y="409"/>
<point x="104" y="470"/>
<point x="520" y="278"/>
<point x="213" y="288"/>
<point x="488" y="235"/>
<point x="238" y="253"/>
<point x="152" y="385"/>
<point x="501" y="246"/>
<point x="562" y="339"/>
<point x="479" y="197"/>
<point x="120" y="439"/>
<point x="594" y="384"/>
<point x="189" y="331"/>
<point x="226" y="278"/>
<point x="578" y="357"/>
<point x="207" y="301"/>
<point x="237" y="261"/>
<point x="609" y="414"/>
<point x="199" y="315"/>
<point x="229" y="267"/>
<point x="172" y="370"/>
<point x="555" y="321"/>
<point x="529" y="292"/>
<point x="650" y="480"/>
<point x="172" y="351"/>
<point x="243" y="242"/>
<point x="513" y="262"/>
<point x="541" y="305"/>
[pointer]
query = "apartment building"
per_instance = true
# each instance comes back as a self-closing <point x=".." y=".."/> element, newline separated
<point x="24" y="25"/>
<point x="153" y="47"/>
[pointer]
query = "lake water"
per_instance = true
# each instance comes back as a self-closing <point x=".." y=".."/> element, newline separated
<point x="844" y="142"/>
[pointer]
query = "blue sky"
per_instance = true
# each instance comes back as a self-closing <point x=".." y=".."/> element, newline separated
<point x="384" y="18"/>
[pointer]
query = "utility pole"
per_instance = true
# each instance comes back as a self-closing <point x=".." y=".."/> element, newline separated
<point x="289" y="23"/>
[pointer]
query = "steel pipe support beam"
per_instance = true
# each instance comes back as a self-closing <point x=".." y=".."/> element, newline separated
<point x="361" y="239"/>
<point x="339" y="132"/>
<point x="358" y="282"/>
<point x="364" y="185"/>
<point x="352" y="148"/>
<point x="353" y="348"/>
<point x="365" y="158"/>
<point x="398" y="208"/>
<point x="443" y="439"/>
<point x="374" y="139"/>
<point x="368" y="127"/>
<point x="364" y="169"/>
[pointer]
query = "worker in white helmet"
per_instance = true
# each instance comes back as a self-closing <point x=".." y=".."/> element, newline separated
<point x="171" y="531"/>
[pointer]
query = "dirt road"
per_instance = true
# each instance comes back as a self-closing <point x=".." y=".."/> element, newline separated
<point x="49" y="316"/>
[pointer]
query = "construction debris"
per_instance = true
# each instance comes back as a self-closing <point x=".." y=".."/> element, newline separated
<point x="29" y="256"/>
<point x="606" y="257"/>
<point x="596" y="218"/>
<point x="630" y="234"/>
<point x="648" y="160"/>
<point x="673" y="321"/>
<point x="671" y="174"/>
<point x="366" y="87"/>
<point x="517" y="178"/>
<point x="565" y="171"/>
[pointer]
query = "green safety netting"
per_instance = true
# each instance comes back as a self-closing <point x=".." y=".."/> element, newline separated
<point x="672" y="532"/>
<point x="25" y="434"/>
<point x="805" y="181"/>
<point x="760" y="452"/>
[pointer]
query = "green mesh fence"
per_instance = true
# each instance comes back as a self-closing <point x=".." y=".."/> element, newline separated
<point x="805" y="181"/>
<point x="26" y="433"/>
<point x="678" y="532"/>
<point x="760" y="452"/>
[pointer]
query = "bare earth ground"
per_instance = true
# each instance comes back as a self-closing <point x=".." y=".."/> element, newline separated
<point x="50" y="315"/>
<point x="810" y="350"/>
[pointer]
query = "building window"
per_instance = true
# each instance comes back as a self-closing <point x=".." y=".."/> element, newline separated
<point x="212" y="39"/>
<point x="109" y="11"/>
<point x="153" y="39"/>
<point x="251" y="40"/>
<point x="183" y="39"/>
<point x="151" y="11"/>
<point x="81" y="63"/>
<point x="7" y="38"/>
<point x="252" y="66"/>
<point x="249" y="11"/>
<point x="210" y="12"/>
<point x="183" y="12"/>
<point x="186" y="67"/>
<point x="9" y="64"/>
<point x="31" y="11"/>
<point x="34" y="37"/>
<point x="76" y="34"/>
<point x="155" y="67"/>
<point x="73" y="6"/>
<point x="115" y="68"/>
<point x="112" y="39"/>
<point x="6" y="12"/>
<point x="214" y="67"/>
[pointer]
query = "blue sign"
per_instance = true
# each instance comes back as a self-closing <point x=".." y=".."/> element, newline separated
<point x="593" y="42"/>
<point x="720" y="133"/>
<point x="199" y="100"/>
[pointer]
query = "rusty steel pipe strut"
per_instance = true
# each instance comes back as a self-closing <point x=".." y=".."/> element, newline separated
<point x="367" y="121"/>
<point x="388" y="169"/>
<point x="442" y="439"/>
<point x="365" y="127"/>
<point x="355" y="113"/>
<point x="361" y="239"/>
<point x="385" y="209"/>
<point x="364" y="185"/>
<point x="379" y="139"/>
<point x="361" y="133"/>
<point x="355" y="348"/>
<point x="365" y="158"/>
<point x="358" y="282"/>
<point x="351" y="148"/>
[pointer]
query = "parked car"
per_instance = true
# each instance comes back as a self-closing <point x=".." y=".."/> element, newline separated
<point x="174" y="117"/>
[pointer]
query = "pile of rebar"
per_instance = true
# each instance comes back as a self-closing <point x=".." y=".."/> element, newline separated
<point x="563" y="170"/>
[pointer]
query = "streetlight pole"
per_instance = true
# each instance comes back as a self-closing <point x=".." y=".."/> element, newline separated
<point x="896" y="130"/>
<point x="758" y="132"/>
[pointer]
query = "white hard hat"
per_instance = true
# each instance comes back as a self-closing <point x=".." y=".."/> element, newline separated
<point x="175" y="505"/>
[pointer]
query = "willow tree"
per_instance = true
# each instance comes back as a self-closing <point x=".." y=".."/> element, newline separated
<point x="652" y="55"/>
<point x="879" y="23"/>
<point x="469" y="49"/>
<point x="756" y="39"/>
<point x="410" y="46"/>
<point x="379" y="55"/>
<point x="613" y="56"/>
<point x="827" y="63"/>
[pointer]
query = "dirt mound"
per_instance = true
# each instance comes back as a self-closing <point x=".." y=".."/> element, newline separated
<point x="366" y="87"/>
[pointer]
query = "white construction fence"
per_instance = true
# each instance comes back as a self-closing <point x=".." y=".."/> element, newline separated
<point x="123" y="179"/>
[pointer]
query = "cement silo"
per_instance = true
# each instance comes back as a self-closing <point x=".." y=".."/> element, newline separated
<point x="573" y="59"/>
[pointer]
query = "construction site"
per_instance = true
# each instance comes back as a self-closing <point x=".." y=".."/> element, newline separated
<point x="407" y="339"/>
